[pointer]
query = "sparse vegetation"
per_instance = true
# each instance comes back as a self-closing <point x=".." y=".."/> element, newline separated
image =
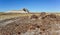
<point x="25" y="25"/>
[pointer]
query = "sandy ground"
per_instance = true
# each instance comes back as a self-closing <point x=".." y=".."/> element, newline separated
<point x="41" y="25"/>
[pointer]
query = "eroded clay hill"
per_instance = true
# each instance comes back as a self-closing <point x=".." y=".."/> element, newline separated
<point x="34" y="25"/>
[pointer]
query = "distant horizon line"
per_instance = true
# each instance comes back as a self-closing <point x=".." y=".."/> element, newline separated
<point x="36" y="12"/>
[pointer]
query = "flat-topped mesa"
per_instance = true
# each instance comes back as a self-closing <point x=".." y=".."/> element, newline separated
<point x="24" y="10"/>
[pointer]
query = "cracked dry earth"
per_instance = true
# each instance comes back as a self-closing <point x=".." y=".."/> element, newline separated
<point x="46" y="25"/>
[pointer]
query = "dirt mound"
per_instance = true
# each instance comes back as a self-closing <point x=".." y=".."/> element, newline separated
<point x="34" y="17"/>
<point x="46" y="25"/>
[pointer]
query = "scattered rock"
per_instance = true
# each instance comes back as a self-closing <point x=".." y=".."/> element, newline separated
<point x="48" y="25"/>
<point x="34" y="17"/>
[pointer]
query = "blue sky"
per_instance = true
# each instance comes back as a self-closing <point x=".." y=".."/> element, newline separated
<point x="32" y="5"/>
